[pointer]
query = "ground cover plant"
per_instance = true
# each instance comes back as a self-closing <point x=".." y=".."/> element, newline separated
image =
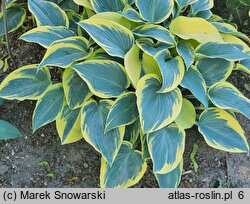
<point x="134" y="77"/>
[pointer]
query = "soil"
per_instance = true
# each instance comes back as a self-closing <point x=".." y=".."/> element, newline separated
<point x="39" y="160"/>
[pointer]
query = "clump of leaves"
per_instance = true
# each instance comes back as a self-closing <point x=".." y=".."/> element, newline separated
<point x="134" y="78"/>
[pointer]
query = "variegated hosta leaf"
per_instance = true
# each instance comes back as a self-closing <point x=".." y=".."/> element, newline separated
<point x="48" y="13"/>
<point x="202" y="5"/>
<point x="112" y="37"/>
<point x="105" y="78"/>
<point x="69" y="5"/>
<point x="171" y="179"/>
<point x="107" y="5"/>
<point x="132" y="132"/>
<point x="194" y="82"/>
<point x="156" y="110"/>
<point x="227" y="51"/>
<point x="155" y="31"/>
<point x="68" y="125"/>
<point x="166" y="147"/>
<point x="151" y="48"/>
<point x="205" y="14"/>
<point x="74" y="18"/>
<point x="8" y="131"/>
<point x="113" y="17"/>
<point x="155" y="11"/>
<point x="222" y="131"/>
<point x="94" y="117"/>
<point x="224" y="95"/>
<point x="75" y="88"/>
<point x="25" y="83"/>
<point x="244" y="65"/>
<point x="84" y="3"/>
<point x="214" y="70"/>
<point x="48" y="107"/>
<point x="64" y="52"/>
<point x="127" y="169"/>
<point x="137" y="67"/>
<point x="172" y="71"/>
<point x="16" y="16"/>
<point x="46" y="35"/>
<point x="234" y="40"/>
<point x="186" y="51"/>
<point x="183" y="3"/>
<point x="228" y="28"/>
<point x="131" y="14"/>
<point x="186" y="118"/>
<point x="123" y="111"/>
<point x="195" y="28"/>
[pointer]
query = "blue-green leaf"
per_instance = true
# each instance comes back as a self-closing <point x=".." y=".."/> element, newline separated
<point x="127" y="169"/>
<point x="201" y="5"/>
<point x="222" y="131"/>
<point x="228" y="28"/>
<point x="48" y="13"/>
<point x="155" y="31"/>
<point x="183" y="3"/>
<point x="94" y="116"/>
<point x="64" y="52"/>
<point x="107" y="5"/>
<point x="8" y="131"/>
<point x="16" y="16"/>
<point x="69" y="5"/>
<point x="47" y="35"/>
<point x="25" y="83"/>
<point x="155" y="11"/>
<point x="131" y="14"/>
<point x="49" y="107"/>
<point x="224" y="95"/>
<point x="194" y="82"/>
<point x="111" y="36"/>
<point x="97" y="74"/>
<point x="156" y="110"/>
<point x="186" y="51"/>
<point x="227" y="51"/>
<point x="171" y="179"/>
<point x="172" y="71"/>
<point x="75" y="88"/>
<point x="123" y="111"/>
<point x="68" y="125"/>
<point x="166" y="147"/>
<point x="151" y="48"/>
<point x="244" y="65"/>
<point x="214" y="70"/>
<point x="132" y="132"/>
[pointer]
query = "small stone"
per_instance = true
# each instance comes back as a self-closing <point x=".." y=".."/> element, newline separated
<point x="45" y="184"/>
<point x="85" y="165"/>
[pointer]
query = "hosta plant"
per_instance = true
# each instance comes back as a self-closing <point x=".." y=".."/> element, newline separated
<point x="134" y="76"/>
